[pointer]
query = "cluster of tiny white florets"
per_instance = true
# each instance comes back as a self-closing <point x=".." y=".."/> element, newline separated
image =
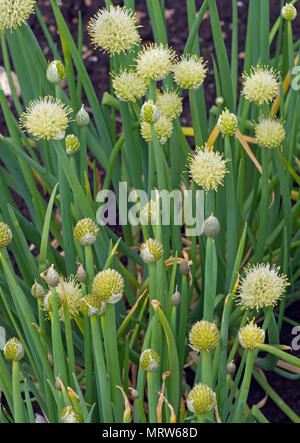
<point x="169" y="103"/>
<point x="114" y="30"/>
<point x="269" y="133"/>
<point x="46" y="118"/>
<point x="85" y="231"/>
<point x="68" y="291"/>
<point x="108" y="286"/>
<point x="289" y="12"/>
<point x="227" y="123"/>
<point x="155" y="62"/>
<point x="204" y="336"/>
<point x="14" y="13"/>
<point x="129" y="86"/>
<point x="251" y="336"/>
<point x="69" y="415"/>
<point x="190" y="72"/>
<point x="261" y="286"/>
<point x="149" y="360"/>
<point x="5" y="235"/>
<point x="163" y="129"/>
<point x="72" y="144"/>
<point x="151" y="251"/>
<point x="201" y="399"/>
<point x="207" y="168"/>
<point x="55" y="72"/>
<point x="260" y="85"/>
<point x="13" y="350"/>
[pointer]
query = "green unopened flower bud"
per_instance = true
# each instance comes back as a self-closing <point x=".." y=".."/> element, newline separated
<point x="69" y="415"/>
<point x="13" y="350"/>
<point x="231" y="368"/>
<point x="201" y="399"/>
<point x="149" y="360"/>
<point x="204" y="336"/>
<point x="92" y="305"/>
<point x="227" y="123"/>
<point x="5" y="235"/>
<point x="150" y="113"/>
<point x="72" y="144"/>
<point x="82" y="117"/>
<point x="37" y="290"/>
<point x="86" y="231"/>
<point x="56" y="72"/>
<point x="58" y="384"/>
<point x="219" y="101"/>
<point x="211" y="226"/>
<point x="289" y="12"/>
<point x="108" y="285"/>
<point x="52" y="277"/>
<point x="151" y="251"/>
<point x="81" y="274"/>
<point x="251" y="336"/>
<point x="176" y="298"/>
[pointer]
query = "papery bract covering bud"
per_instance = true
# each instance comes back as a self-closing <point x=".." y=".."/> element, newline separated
<point x="86" y="231"/>
<point x="69" y="415"/>
<point x="151" y="251"/>
<point x="231" y="368"/>
<point x="5" y="235"/>
<point x="289" y="12"/>
<point x="108" y="285"/>
<point x="129" y="86"/>
<point x="72" y="144"/>
<point x="13" y="350"/>
<point x="92" y="305"/>
<point x="204" y="336"/>
<point x="176" y="298"/>
<point x="149" y="360"/>
<point x="52" y="277"/>
<point x="227" y="123"/>
<point x="155" y="62"/>
<point x="37" y="291"/>
<point x="46" y="118"/>
<point x="211" y="226"/>
<point x="261" y="85"/>
<point x="150" y="113"/>
<point x="201" y="399"/>
<point x="81" y="274"/>
<point x="163" y="129"/>
<point x="13" y="13"/>
<point x="207" y="168"/>
<point x="269" y="133"/>
<point x="261" y="286"/>
<point x="219" y="101"/>
<point x="251" y="336"/>
<point x="184" y="267"/>
<point x="190" y="72"/>
<point x="82" y="117"/>
<point x="114" y="30"/>
<point x="169" y="104"/>
<point x="55" y="72"/>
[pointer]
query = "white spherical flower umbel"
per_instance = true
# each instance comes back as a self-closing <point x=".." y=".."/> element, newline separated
<point x="269" y="133"/>
<point x="129" y="86"/>
<point x="261" y="286"/>
<point x="289" y="12"/>
<point x="149" y="360"/>
<point x="13" y="13"/>
<point x="114" y="30"/>
<point x="155" y="62"/>
<point x="251" y="336"/>
<point x="169" y="104"/>
<point x="85" y="231"/>
<point x="108" y="285"/>
<point x="261" y="85"/>
<point x="46" y="118"/>
<point x="190" y="72"/>
<point x="201" y="399"/>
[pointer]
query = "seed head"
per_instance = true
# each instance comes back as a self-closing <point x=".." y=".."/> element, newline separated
<point x="261" y="286"/>
<point x="227" y="123"/>
<point x="129" y="86"/>
<point x="289" y="12"/>
<point x="13" y="350"/>
<point x="46" y="118"/>
<point x="207" y="168"/>
<point x="151" y="251"/>
<point x="114" y="30"/>
<point x="37" y="291"/>
<point x="5" y="235"/>
<point x="13" y="13"/>
<point x="251" y="336"/>
<point x="55" y="72"/>
<point x="69" y="415"/>
<point x="108" y="285"/>
<point x="261" y="85"/>
<point x="149" y="360"/>
<point x="269" y="133"/>
<point x="169" y="104"/>
<point x="86" y="231"/>
<point x="201" y="399"/>
<point x="92" y="305"/>
<point x="163" y="128"/>
<point x="204" y="336"/>
<point x="82" y="117"/>
<point x="155" y="62"/>
<point x="190" y="72"/>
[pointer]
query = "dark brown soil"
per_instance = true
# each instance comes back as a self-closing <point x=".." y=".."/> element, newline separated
<point x="97" y="66"/>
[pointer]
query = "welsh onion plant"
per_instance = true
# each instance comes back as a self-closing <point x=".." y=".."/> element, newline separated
<point x="98" y="326"/>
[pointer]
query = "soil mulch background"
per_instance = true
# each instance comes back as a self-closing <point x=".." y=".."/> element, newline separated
<point x="97" y="65"/>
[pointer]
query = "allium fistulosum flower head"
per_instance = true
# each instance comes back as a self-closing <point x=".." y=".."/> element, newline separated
<point x="261" y="286"/>
<point x="13" y="350"/>
<point x="108" y="285"/>
<point x="151" y="251"/>
<point x="5" y="235"/>
<point x="163" y="128"/>
<point x="251" y="336"/>
<point x="46" y="118"/>
<point x="169" y="104"/>
<point x="269" y="133"/>
<point x="68" y="290"/>
<point x="13" y="13"/>
<point x="201" y="399"/>
<point x="207" y="168"/>
<point x="190" y="72"/>
<point x="289" y="12"/>
<point x="260" y="85"/>
<point x="155" y="62"/>
<point x="114" y="30"/>
<point x="129" y="86"/>
<point x="85" y="231"/>
<point x="149" y="360"/>
<point x="227" y="123"/>
<point x="204" y="336"/>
